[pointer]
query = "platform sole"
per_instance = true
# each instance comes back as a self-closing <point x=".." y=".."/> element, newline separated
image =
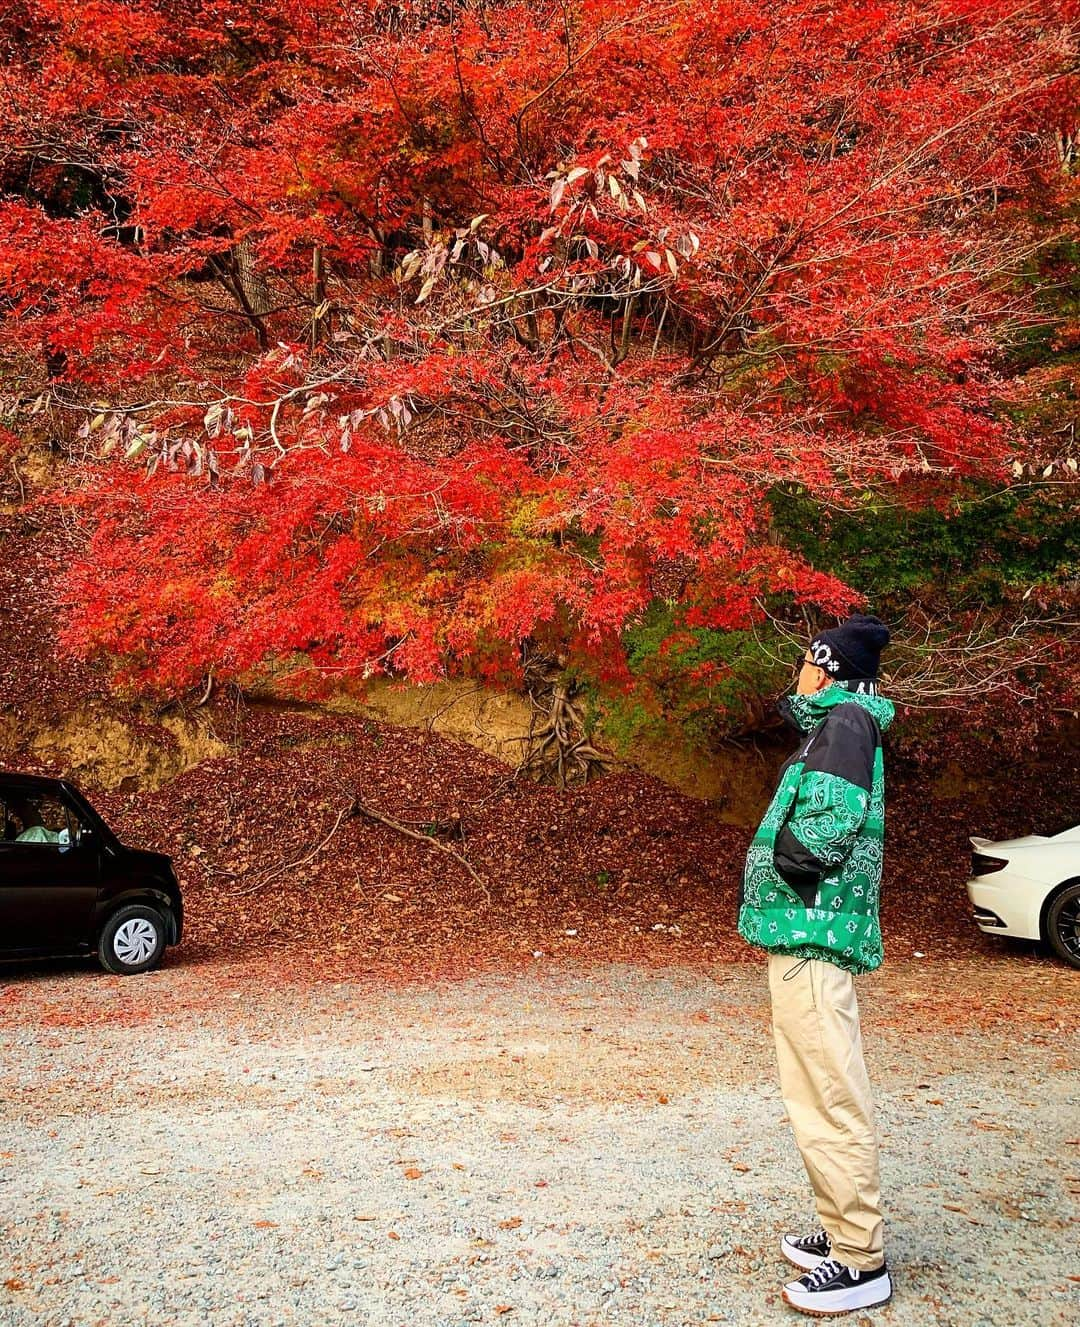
<point x="835" y="1310"/>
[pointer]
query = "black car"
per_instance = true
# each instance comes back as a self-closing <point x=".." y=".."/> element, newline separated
<point x="69" y="886"/>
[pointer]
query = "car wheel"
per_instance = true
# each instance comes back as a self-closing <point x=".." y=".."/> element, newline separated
<point x="133" y="940"/>
<point x="1063" y="924"/>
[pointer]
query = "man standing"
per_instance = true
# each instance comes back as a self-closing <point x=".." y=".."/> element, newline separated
<point x="810" y="898"/>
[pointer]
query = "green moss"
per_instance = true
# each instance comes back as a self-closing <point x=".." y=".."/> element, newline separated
<point x="986" y="544"/>
<point x="702" y="684"/>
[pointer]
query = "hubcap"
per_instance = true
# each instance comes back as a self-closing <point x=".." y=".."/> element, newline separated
<point x="135" y="940"/>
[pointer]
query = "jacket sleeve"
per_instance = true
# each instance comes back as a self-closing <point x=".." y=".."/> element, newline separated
<point x="832" y="800"/>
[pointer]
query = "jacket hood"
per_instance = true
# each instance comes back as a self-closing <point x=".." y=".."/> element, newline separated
<point x="806" y="712"/>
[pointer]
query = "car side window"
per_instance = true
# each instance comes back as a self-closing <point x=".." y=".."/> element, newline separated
<point x="38" y="818"/>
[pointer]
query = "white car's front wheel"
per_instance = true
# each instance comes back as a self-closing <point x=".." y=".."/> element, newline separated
<point x="1063" y="924"/>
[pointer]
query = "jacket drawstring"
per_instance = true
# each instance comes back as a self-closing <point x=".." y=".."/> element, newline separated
<point x="794" y="971"/>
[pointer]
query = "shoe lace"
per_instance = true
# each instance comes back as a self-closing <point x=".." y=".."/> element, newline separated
<point x="824" y="1271"/>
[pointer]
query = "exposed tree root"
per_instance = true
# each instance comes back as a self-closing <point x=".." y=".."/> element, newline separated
<point x="557" y="747"/>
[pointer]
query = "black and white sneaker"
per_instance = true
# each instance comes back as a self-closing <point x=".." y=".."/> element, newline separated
<point x="806" y="1251"/>
<point x="832" y="1288"/>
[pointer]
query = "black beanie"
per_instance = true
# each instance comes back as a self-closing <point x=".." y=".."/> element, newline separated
<point x="851" y="650"/>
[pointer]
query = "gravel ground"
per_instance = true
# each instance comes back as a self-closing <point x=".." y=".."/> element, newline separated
<point x="568" y="1146"/>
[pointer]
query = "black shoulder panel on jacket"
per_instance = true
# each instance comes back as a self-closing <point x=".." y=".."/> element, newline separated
<point x="845" y="744"/>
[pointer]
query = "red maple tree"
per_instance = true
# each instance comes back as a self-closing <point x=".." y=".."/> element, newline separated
<point x="391" y="337"/>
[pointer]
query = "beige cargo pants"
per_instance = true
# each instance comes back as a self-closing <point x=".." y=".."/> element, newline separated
<point x="826" y="1090"/>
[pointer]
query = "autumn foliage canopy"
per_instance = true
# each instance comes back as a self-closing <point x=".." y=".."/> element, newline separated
<point x="402" y="337"/>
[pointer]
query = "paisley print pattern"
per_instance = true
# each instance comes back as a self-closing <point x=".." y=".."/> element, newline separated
<point x="843" y="826"/>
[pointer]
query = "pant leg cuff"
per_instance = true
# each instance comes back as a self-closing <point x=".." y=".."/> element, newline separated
<point x="859" y="1262"/>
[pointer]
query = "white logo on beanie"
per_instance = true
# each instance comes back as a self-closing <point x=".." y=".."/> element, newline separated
<point x="823" y="656"/>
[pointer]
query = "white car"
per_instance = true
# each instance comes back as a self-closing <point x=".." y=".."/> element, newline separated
<point x="1030" y="888"/>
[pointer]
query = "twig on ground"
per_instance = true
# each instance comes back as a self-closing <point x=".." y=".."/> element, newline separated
<point x="359" y="808"/>
<point x="456" y="700"/>
<point x="300" y="861"/>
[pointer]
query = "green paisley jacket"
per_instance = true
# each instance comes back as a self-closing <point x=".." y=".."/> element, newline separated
<point x="813" y="870"/>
